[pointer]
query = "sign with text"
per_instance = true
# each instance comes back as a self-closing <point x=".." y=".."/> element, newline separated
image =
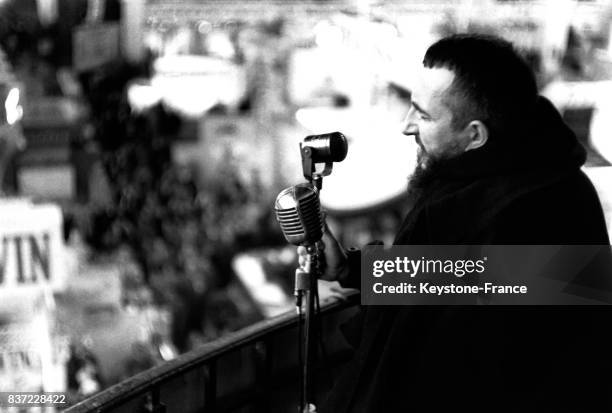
<point x="486" y="275"/>
<point x="31" y="247"/>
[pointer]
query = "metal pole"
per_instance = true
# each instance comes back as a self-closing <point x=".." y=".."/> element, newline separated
<point x="306" y="286"/>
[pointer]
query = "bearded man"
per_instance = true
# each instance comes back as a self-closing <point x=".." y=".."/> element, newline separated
<point x="497" y="165"/>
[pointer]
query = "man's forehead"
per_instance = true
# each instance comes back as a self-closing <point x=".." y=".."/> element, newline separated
<point x="431" y="83"/>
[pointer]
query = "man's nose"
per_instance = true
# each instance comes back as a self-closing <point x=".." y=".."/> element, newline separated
<point x="410" y="127"/>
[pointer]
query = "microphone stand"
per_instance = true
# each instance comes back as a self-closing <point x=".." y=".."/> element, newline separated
<point x="306" y="286"/>
<point x="306" y="283"/>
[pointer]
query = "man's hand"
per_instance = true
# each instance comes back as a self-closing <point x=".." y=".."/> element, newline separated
<point x="333" y="265"/>
<point x="331" y="290"/>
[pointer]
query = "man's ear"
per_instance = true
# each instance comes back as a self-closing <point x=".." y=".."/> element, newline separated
<point x="478" y="135"/>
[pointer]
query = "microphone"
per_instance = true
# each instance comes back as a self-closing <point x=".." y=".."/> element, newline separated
<point x="327" y="147"/>
<point x="298" y="211"/>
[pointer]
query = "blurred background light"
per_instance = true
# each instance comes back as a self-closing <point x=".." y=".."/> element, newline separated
<point x="14" y="111"/>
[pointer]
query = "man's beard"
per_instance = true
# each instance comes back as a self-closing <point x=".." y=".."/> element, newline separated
<point x="423" y="172"/>
<point x="427" y="168"/>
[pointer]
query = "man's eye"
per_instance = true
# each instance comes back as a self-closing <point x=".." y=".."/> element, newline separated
<point x="419" y="113"/>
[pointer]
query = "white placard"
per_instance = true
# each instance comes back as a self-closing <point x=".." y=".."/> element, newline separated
<point x="31" y="248"/>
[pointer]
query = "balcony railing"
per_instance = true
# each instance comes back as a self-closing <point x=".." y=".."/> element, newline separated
<point x="252" y="370"/>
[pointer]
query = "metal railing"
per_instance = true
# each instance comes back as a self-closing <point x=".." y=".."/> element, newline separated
<point x="251" y="370"/>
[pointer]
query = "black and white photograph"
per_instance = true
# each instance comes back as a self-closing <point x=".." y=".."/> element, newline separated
<point x="320" y="206"/>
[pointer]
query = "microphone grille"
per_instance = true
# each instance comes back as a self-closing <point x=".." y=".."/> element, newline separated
<point x="298" y="212"/>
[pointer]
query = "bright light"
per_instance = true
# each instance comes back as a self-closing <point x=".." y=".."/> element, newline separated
<point x="191" y="96"/>
<point x="141" y="96"/>
<point x="380" y="158"/>
<point x="194" y="84"/>
<point x="219" y="44"/>
<point x="328" y="35"/>
<point x="14" y="111"/>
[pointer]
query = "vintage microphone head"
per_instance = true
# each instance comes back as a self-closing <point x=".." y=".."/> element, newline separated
<point x="298" y="211"/>
<point x="327" y="147"/>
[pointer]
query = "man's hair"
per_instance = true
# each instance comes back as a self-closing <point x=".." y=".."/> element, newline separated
<point x="492" y="82"/>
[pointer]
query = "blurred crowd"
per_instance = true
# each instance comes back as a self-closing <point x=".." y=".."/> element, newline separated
<point x="182" y="235"/>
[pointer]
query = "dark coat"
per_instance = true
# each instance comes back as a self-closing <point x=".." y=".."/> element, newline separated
<point x="478" y="358"/>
